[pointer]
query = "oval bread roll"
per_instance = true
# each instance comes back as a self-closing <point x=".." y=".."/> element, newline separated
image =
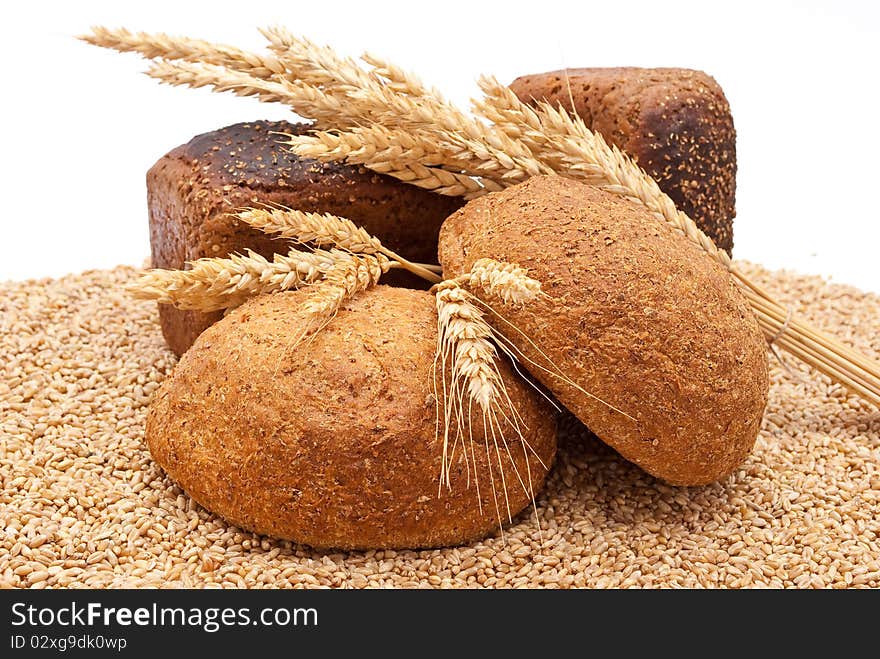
<point x="637" y="316"/>
<point x="333" y="442"/>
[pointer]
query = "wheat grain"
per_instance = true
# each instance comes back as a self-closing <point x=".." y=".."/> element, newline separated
<point x="221" y="283"/>
<point x="85" y="504"/>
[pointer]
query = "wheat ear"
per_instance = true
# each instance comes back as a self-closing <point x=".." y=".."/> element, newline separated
<point x="316" y="65"/>
<point x="219" y="79"/>
<point x="221" y="283"/>
<point x="466" y="353"/>
<point x="403" y="104"/>
<point x="405" y="156"/>
<point x="164" y="46"/>
<point x="335" y="92"/>
<point x="197" y="63"/>
<point x="324" y="229"/>
<point x="403" y="140"/>
<point x="347" y="277"/>
<point x="303" y="99"/>
<point x="508" y="281"/>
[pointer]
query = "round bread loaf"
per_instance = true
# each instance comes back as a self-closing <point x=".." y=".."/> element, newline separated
<point x="333" y="443"/>
<point x="637" y="316"/>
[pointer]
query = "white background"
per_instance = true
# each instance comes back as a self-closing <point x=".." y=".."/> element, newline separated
<point x="80" y="125"/>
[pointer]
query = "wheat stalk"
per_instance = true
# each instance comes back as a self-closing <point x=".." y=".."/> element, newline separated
<point x="221" y="283"/>
<point x="326" y="229"/>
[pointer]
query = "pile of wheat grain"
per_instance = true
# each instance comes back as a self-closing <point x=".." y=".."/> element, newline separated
<point x="83" y="504"/>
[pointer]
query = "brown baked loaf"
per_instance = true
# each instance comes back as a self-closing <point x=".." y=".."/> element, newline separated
<point x="637" y="315"/>
<point x="191" y="190"/>
<point x="333" y="443"/>
<point x="675" y="123"/>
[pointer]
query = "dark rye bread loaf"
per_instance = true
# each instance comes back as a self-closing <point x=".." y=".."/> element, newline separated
<point x="675" y="123"/>
<point x="192" y="190"/>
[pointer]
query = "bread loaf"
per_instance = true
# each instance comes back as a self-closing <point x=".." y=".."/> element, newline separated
<point x="192" y="189"/>
<point x="637" y="315"/>
<point x="333" y="442"/>
<point x="675" y="123"/>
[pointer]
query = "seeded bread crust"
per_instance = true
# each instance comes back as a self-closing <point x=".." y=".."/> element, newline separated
<point x="192" y="190"/>
<point x="676" y="123"/>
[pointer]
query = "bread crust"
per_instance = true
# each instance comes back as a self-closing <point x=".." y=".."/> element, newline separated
<point x="637" y="315"/>
<point x="333" y="443"/>
<point x="676" y="124"/>
<point x="192" y="189"/>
